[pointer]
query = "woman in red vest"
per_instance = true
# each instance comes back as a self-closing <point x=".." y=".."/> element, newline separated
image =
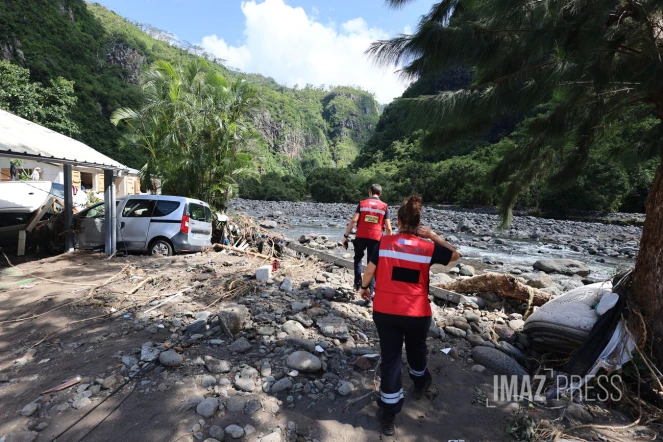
<point x="401" y="310"/>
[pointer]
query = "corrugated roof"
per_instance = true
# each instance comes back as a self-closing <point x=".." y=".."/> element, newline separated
<point x="20" y="138"/>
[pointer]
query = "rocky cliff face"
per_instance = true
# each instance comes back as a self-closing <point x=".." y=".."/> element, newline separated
<point x="312" y="126"/>
<point x="131" y="60"/>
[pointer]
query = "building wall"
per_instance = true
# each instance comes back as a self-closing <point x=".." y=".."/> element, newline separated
<point x="125" y="185"/>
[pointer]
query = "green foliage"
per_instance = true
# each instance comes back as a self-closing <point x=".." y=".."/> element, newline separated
<point x="49" y="106"/>
<point x="194" y="128"/>
<point x="573" y="69"/>
<point x="104" y="54"/>
<point x="273" y="187"/>
<point x="332" y="185"/>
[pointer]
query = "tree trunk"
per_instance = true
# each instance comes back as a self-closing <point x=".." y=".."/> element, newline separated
<point x="646" y="288"/>
<point x="506" y="286"/>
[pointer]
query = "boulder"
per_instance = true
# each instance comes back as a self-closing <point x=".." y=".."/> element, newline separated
<point x="333" y="327"/>
<point x="497" y="361"/>
<point x="234" y="317"/>
<point x="466" y="271"/>
<point x="294" y="328"/>
<point x="538" y="280"/>
<point x="207" y="407"/>
<point x="241" y="345"/>
<point x="272" y="437"/>
<point x="304" y="362"/>
<point x="281" y="385"/>
<point x="214" y="365"/>
<point x="286" y="285"/>
<point x="267" y="224"/>
<point x="170" y="358"/>
<point x="568" y="267"/>
<point x="234" y="431"/>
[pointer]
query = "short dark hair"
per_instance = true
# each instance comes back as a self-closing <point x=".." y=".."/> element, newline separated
<point x="376" y="189"/>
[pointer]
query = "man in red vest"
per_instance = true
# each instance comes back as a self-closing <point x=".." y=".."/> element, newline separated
<point x="371" y="217"/>
<point x="401" y="309"/>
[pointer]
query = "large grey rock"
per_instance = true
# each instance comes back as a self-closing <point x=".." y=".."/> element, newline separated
<point x="306" y="344"/>
<point x="304" y="362"/>
<point x="345" y="388"/>
<point x="272" y="437"/>
<point x="30" y="409"/>
<point x="465" y="225"/>
<point x="268" y="224"/>
<point x="216" y="366"/>
<point x="286" y="285"/>
<point x="512" y="351"/>
<point x="234" y="317"/>
<point x="216" y="432"/>
<point x="236" y="404"/>
<point x="505" y="333"/>
<point x="497" y="361"/>
<point x="467" y="270"/>
<point x="170" y="358"/>
<point x="456" y="332"/>
<point x="538" y="280"/>
<point x="112" y="381"/>
<point x="294" y="328"/>
<point x="20" y="436"/>
<point x="281" y="385"/>
<point x="241" y="345"/>
<point x="148" y="352"/>
<point x="208" y="407"/>
<point x="333" y="327"/>
<point x="440" y="278"/>
<point x="81" y="402"/>
<point x="568" y="267"/>
<point x="244" y="383"/>
<point x="234" y="431"/>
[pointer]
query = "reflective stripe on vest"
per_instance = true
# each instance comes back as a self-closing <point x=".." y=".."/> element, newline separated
<point x="401" y="278"/>
<point x="371" y="218"/>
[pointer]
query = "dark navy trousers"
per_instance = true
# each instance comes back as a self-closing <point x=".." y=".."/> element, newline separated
<point x="393" y="331"/>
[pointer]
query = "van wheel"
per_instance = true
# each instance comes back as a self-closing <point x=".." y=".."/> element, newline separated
<point x="161" y="247"/>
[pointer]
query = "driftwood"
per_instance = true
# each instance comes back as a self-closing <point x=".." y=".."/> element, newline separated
<point x="506" y="286"/>
<point x="235" y="249"/>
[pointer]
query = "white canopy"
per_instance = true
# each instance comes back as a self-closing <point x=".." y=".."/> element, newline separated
<point x="20" y="138"/>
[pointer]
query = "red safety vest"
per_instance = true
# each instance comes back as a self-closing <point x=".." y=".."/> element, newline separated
<point x="401" y="278"/>
<point x="371" y="218"/>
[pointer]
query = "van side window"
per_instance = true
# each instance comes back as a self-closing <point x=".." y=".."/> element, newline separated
<point x="137" y="208"/>
<point x="164" y="208"/>
<point x="197" y="212"/>
<point x="208" y="215"/>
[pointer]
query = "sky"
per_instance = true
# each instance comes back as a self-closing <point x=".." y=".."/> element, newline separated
<point x="319" y="42"/>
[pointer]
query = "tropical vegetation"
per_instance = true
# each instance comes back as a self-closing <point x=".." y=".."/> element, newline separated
<point x="575" y="72"/>
<point x="194" y="128"/>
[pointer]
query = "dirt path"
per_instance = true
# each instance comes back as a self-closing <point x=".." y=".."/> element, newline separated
<point x="153" y="404"/>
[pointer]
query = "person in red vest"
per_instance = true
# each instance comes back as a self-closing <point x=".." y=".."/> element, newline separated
<point x="371" y="217"/>
<point x="401" y="309"/>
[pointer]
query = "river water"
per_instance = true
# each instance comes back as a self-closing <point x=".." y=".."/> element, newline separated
<point x="515" y="253"/>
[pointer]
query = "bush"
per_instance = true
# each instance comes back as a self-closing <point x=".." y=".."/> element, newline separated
<point x="600" y="188"/>
<point x="329" y="185"/>
<point x="273" y="187"/>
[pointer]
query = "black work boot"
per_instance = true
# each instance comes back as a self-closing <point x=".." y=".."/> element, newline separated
<point x="387" y="422"/>
<point x="420" y="390"/>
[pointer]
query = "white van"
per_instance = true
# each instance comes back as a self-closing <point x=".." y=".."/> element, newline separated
<point x="153" y="223"/>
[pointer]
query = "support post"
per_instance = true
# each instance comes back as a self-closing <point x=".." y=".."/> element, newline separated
<point x="110" y="219"/>
<point x="68" y="210"/>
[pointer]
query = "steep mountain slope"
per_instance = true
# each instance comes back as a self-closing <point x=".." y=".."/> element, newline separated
<point x="104" y="54"/>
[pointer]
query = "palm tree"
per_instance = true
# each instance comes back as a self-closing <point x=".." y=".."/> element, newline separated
<point x="580" y="63"/>
<point x="193" y="124"/>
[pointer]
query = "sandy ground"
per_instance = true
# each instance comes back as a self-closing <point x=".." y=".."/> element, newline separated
<point x="150" y="408"/>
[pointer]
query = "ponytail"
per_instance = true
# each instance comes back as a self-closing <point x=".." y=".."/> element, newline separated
<point x="409" y="214"/>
